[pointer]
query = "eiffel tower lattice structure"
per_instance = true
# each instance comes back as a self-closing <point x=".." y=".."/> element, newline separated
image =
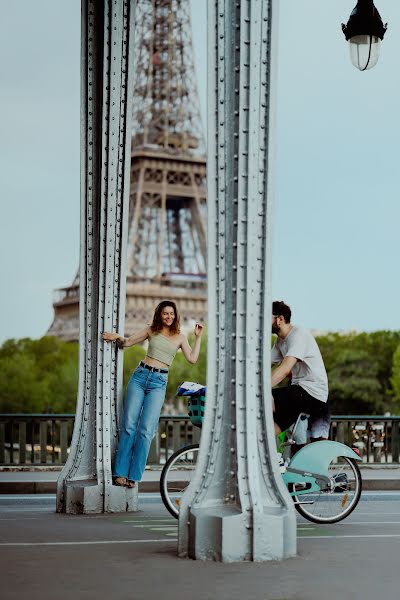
<point x="167" y="210"/>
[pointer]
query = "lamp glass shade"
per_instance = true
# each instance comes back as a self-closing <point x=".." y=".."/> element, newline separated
<point x="364" y="51"/>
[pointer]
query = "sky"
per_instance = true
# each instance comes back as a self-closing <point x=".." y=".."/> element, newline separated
<point x="336" y="206"/>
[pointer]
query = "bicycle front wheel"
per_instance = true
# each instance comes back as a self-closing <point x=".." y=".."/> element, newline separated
<point x="176" y="476"/>
<point x="336" y="501"/>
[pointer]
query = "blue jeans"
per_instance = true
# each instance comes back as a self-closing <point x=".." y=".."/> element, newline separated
<point x="145" y="395"/>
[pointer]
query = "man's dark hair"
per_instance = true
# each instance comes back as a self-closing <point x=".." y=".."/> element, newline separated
<point x="280" y="309"/>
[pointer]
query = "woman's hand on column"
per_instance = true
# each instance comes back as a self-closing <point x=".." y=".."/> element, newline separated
<point x="114" y="337"/>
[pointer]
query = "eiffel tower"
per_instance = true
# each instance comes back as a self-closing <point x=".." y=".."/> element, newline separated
<point x="167" y="211"/>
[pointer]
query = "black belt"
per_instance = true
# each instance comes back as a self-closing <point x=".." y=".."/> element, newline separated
<point x="143" y="364"/>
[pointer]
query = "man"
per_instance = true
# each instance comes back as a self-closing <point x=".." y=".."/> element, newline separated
<point x="299" y="357"/>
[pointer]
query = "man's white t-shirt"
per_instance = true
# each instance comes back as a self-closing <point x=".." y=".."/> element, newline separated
<point x="309" y="371"/>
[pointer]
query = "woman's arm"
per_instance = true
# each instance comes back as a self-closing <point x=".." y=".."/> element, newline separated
<point x="122" y="342"/>
<point x="192" y="355"/>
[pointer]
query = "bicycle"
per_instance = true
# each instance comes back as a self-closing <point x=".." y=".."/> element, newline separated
<point x="323" y="477"/>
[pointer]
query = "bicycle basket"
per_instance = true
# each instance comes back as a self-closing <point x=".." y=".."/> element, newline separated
<point x="196" y="405"/>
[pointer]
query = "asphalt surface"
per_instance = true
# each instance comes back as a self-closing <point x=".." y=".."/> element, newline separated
<point x="14" y="480"/>
<point x="133" y="555"/>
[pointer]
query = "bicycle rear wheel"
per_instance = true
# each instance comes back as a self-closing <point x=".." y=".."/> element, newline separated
<point x="176" y="476"/>
<point x="337" y="501"/>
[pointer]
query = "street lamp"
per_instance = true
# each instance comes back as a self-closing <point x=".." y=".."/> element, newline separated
<point x="364" y="32"/>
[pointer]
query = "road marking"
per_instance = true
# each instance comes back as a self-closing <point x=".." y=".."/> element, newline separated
<point x="87" y="543"/>
<point x="27" y="496"/>
<point x="359" y="523"/>
<point x="152" y="526"/>
<point x="380" y="492"/>
<point x="23" y="519"/>
<point x="155" y="527"/>
<point x="371" y="523"/>
<point x="377" y="513"/>
<point x="352" y="537"/>
<point x="44" y="511"/>
<point x="147" y="521"/>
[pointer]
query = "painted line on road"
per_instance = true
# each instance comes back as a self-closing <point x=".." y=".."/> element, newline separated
<point x="380" y="493"/>
<point x="152" y="525"/>
<point x="19" y="519"/>
<point x="87" y="543"/>
<point x="147" y="520"/>
<point x="358" y="523"/>
<point x="371" y="523"/>
<point x="45" y="511"/>
<point x="351" y="537"/>
<point x="49" y="497"/>
<point x="155" y="527"/>
<point x="377" y="513"/>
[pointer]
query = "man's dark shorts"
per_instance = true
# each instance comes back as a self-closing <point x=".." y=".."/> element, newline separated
<point x="291" y="401"/>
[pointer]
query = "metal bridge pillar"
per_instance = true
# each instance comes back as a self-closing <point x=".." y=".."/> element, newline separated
<point x="85" y="484"/>
<point x="237" y="507"/>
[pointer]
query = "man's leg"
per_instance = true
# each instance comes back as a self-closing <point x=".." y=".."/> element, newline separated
<point x="320" y="423"/>
<point x="277" y="428"/>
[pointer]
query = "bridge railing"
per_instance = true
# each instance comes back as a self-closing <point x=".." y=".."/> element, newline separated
<point x="376" y="437"/>
<point x="44" y="439"/>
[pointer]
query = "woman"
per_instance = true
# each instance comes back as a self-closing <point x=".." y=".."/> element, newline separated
<point x="146" y="389"/>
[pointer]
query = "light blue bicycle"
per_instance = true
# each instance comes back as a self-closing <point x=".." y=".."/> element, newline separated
<point x="323" y="478"/>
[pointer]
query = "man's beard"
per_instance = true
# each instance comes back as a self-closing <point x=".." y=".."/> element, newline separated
<point x="275" y="329"/>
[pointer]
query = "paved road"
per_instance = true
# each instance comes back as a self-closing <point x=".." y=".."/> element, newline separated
<point x="45" y="555"/>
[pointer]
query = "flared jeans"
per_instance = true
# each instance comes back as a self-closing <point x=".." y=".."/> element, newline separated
<point x="145" y="395"/>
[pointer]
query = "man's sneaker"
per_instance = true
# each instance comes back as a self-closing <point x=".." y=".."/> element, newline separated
<point x="282" y="463"/>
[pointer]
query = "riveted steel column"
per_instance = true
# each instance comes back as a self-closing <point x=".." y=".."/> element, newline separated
<point x="85" y="483"/>
<point x="237" y="507"/>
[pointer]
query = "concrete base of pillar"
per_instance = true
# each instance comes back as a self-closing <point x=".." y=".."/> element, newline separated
<point x="87" y="496"/>
<point x="228" y="535"/>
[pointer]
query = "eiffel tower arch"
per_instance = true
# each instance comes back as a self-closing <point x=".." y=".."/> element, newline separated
<point x="167" y="248"/>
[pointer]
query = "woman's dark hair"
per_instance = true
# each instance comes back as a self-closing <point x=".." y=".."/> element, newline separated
<point x="157" y="325"/>
<point x="280" y="309"/>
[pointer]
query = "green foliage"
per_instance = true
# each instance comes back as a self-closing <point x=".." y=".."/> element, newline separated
<point x="359" y="367"/>
<point x="38" y="375"/>
<point x="395" y="380"/>
<point x="42" y="375"/>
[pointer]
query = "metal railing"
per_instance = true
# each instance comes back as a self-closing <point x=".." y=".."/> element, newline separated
<point x="376" y="437"/>
<point x="35" y="439"/>
<point x="44" y="439"/>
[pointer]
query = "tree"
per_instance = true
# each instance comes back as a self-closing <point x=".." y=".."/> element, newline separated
<point x="359" y="367"/>
<point x="395" y="380"/>
<point x="42" y="375"/>
<point x="38" y="375"/>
